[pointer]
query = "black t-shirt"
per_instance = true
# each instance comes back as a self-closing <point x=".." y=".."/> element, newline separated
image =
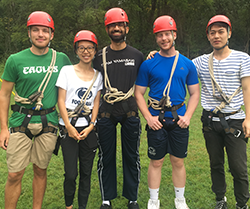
<point x="122" y="70"/>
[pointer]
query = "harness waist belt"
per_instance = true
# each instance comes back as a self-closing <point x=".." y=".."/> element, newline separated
<point x="174" y="107"/>
<point x="220" y="114"/>
<point x="174" y="113"/>
<point x="23" y="110"/>
<point x="23" y="130"/>
<point x="29" y="113"/>
<point x="228" y="130"/>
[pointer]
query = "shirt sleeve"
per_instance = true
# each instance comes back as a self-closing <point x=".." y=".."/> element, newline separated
<point x="62" y="78"/>
<point x="100" y="82"/>
<point x="10" y="73"/>
<point x="192" y="76"/>
<point x="143" y="75"/>
<point x="66" y="60"/>
<point x="245" y="66"/>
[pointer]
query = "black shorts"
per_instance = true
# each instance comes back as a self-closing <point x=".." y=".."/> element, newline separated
<point x="161" y="142"/>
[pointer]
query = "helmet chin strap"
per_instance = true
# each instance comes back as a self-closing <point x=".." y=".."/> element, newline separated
<point x="221" y="47"/>
<point x="173" y="39"/>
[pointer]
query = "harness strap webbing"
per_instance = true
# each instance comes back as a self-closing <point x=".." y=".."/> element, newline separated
<point x="38" y="96"/>
<point x="30" y="135"/>
<point x="173" y="110"/>
<point x="208" y="115"/>
<point x="165" y="104"/>
<point x="113" y="95"/>
<point x="223" y="97"/>
<point x="28" y="115"/>
<point x="165" y="100"/>
<point x="82" y="108"/>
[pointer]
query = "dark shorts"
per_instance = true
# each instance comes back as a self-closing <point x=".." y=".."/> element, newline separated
<point x="161" y="142"/>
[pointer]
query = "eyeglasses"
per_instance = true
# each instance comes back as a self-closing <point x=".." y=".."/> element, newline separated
<point x="89" y="49"/>
<point x="119" y="24"/>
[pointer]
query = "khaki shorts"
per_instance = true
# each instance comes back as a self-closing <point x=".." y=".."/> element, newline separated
<point x="22" y="150"/>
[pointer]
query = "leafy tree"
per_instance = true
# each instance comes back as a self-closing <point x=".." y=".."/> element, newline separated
<point x="191" y="17"/>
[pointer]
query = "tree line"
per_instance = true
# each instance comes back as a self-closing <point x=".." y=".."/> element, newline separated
<point x="191" y="17"/>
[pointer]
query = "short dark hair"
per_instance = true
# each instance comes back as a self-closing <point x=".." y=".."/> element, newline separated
<point x="220" y="24"/>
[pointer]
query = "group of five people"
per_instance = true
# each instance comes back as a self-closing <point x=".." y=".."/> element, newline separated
<point x="95" y="99"/>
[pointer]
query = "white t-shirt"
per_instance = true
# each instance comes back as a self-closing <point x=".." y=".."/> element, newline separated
<point x="76" y="88"/>
<point x="228" y="73"/>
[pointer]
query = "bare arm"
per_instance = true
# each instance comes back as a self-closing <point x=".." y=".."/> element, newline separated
<point x="5" y="94"/>
<point x="152" y="121"/>
<point x="84" y="133"/>
<point x="246" y="95"/>
<point x="194" y="92"/>
<point x="63" y="112"/>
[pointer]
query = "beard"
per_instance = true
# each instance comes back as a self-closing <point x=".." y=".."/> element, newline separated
<point x="117" y="39"/>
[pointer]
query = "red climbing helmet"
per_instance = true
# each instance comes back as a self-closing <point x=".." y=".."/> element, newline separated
<point x="115" y="15"/>
<point x="164" y="23"/>
<point x="85" y="35"/>
<point x="219" y="18"/>
<point x="40" y="18"/>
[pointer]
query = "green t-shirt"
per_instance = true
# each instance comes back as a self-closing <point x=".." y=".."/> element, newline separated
<point x="27" y="71"/>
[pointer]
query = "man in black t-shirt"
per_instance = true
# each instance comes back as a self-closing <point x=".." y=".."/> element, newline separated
<point x="119" y="67"/>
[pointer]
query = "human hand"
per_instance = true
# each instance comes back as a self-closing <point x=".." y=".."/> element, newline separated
<point x="85" y="132"/>
<point x="183" y="121"/>
<point x="73" y="133"/>
<point x="4" y="139"/>
<point x="246" y="127"/>
<point x="154" y="123"/>
<point x="151" y="54"/>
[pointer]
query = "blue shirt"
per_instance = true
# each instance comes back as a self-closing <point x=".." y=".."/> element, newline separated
<point x="155" y="73"/>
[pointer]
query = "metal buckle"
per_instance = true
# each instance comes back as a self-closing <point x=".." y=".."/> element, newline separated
<point x="61" y="135"/>
<point x="21" y="108"/>
<point x="238" y="133"/>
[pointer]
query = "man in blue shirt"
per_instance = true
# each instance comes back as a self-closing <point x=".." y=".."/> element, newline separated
<point x="167" y="117"/>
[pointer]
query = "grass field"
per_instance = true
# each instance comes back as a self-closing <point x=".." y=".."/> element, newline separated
<point x="198" y="186"/>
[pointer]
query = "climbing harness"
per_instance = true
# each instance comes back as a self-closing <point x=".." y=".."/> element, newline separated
<point x="82" y="110"/>
<point x="223" y="97"/>
<point x="207" y="117"/>
<point x="165" y="104"/>
<point x="112" y="96"/>
<point x="37" y="96"/>
<point x="29" y="113"/>
<point x="216" y="112"/>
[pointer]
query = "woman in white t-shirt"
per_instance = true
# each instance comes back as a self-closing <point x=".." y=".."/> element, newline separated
<point x="79" y="86"/>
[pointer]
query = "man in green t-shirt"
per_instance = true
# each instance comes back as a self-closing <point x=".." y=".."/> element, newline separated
<point x="33" y="72"/>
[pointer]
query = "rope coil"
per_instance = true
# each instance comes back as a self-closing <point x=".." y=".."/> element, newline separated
<point x="82" y="108"/>
<point x="165" y="100"/>
<point x="38" y="96"/>
<point x="223" y="97"/>
<point x="113" y="95"/>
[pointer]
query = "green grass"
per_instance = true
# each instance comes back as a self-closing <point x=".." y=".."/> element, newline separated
<point x="198" y="186"/>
